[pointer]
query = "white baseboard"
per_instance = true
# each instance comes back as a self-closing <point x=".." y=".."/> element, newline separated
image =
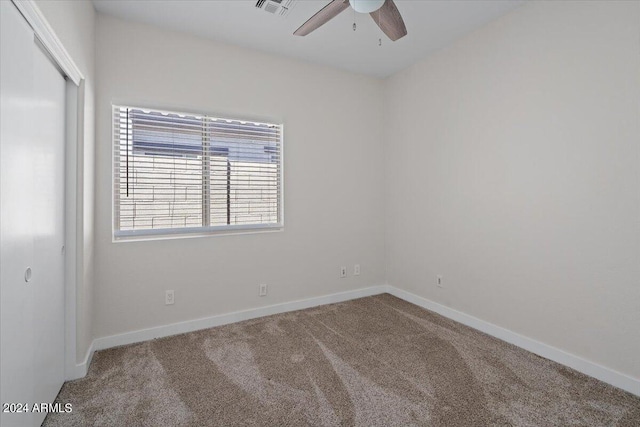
<point x="609" y="376"/>
<point x="224" y="319"/>
<point x="80" y="370"/>
<point x="592" y="369"/>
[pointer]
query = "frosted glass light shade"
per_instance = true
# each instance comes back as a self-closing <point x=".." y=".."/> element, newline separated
<point x="366" y="6"/>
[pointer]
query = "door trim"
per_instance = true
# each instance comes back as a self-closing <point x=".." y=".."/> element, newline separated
<point x="48" y="37"/>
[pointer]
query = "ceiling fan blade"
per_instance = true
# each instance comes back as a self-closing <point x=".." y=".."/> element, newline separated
<point x="325" y="14"/>
<point x="389" y="20"/>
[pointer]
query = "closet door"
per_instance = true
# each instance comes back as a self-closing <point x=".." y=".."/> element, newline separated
<point x="47" y="165"/>
<point x="32" y="94"/>
<point x="16" y="217"/>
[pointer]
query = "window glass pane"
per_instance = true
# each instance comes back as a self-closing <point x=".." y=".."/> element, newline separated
<point x="161" y="177"/>
<point x="176" y="171"/>
<point x="249" y="167"/>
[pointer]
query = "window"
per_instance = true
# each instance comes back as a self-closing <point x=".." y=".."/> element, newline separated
<point x="179" y="173"/>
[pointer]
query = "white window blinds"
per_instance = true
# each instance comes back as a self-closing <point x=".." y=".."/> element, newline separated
<point x="186" y="173"/>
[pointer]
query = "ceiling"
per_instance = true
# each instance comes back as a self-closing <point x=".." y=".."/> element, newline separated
<point x="431" y="25"/>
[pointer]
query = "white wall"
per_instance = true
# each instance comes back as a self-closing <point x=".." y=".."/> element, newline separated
<point x="74" y="24"/>
<point x="513" y="169"/>
<point x="333" y="162"/>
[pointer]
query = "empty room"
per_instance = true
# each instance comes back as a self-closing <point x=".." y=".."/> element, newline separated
<point x="320" y="213"/>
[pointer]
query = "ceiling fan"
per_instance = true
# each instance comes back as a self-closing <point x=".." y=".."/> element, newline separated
<point x="384" y="13"/>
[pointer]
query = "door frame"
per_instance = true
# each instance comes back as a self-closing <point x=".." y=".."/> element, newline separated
<point x="73" y="176"/>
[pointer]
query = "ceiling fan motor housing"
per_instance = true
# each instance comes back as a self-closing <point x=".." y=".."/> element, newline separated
<point x="366" y="6"/>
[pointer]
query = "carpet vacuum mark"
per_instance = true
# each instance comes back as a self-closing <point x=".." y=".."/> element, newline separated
<point x="375" y="361"/>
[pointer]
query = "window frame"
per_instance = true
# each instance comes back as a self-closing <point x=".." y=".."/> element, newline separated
<point x="191" y="232"/>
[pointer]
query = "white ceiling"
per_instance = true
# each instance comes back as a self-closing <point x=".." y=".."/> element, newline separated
<point x="431" y="25"/>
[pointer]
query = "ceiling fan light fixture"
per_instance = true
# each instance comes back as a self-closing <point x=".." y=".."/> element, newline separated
<point x="366" y="6"/>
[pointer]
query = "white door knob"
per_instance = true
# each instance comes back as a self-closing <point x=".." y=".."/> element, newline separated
<point x="27" y="274"/>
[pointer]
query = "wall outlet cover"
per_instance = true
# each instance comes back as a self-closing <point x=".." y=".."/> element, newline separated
<point x="169" y="298"/>
<point x="263" y="289"/>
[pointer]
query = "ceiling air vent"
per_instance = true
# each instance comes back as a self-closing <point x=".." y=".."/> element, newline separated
<point x="275" y="7"/>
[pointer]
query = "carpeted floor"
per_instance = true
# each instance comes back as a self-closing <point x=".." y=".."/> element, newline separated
<point x="376" y="361"/>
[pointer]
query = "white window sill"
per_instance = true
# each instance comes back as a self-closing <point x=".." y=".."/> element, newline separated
<point x="192" y="233"/>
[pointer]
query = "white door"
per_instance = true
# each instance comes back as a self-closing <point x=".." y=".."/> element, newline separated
<point x="32" y="220"/>
<point x="16" y="204"/>
<point x="48" y="227"/>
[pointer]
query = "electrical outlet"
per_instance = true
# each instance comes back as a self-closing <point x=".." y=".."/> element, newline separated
<point x="439" y="281"/>
<point x="356" y="270"/>
<point x="343" y="272"/>
<point x="168" y="298"/>
<point x="262" y="291"/>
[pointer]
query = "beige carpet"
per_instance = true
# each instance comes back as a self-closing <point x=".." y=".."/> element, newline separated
<point x="376" y="361"/>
